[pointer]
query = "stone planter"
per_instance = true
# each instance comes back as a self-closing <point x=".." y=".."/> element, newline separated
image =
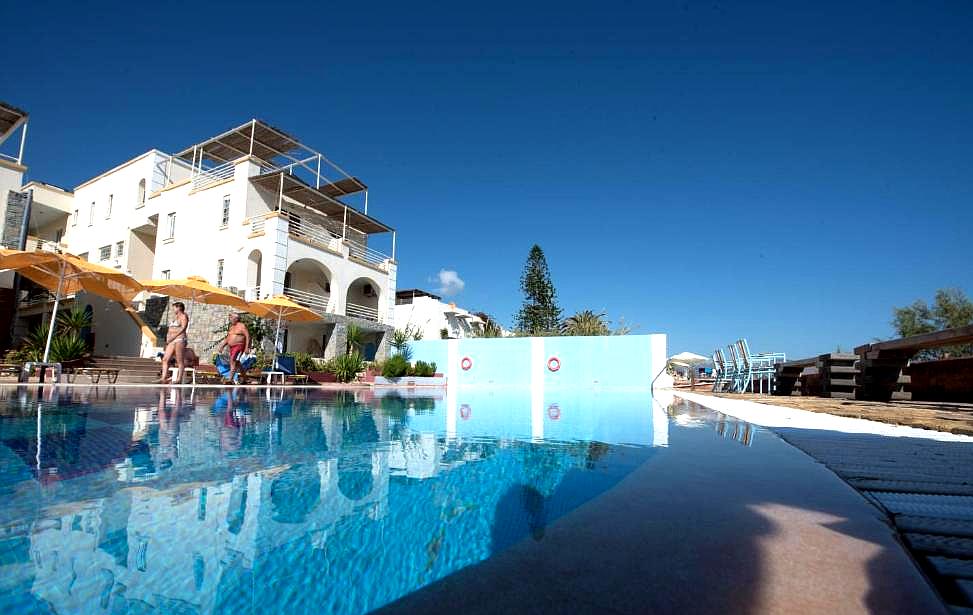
<point x="411" y="381"/>
<point x="321" y="377"/>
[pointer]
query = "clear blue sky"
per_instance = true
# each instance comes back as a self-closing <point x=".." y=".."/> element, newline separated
<point x="700" y="168"/>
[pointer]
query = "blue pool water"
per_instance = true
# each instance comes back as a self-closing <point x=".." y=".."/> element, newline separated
<point x="134" y="501"/>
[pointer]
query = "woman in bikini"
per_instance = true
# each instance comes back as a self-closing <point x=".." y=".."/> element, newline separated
<point x="176" y="341"/>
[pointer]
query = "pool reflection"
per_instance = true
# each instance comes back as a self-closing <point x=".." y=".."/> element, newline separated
<point x="206" y="501"/>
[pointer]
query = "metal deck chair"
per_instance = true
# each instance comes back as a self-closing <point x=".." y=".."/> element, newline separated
<point x="762" y="365"/>
<point x="718" y="371"/>
<point x="724" y="381"/>
<point x="743" y="374"/>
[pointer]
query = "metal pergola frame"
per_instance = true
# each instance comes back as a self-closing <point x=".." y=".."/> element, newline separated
<point x="13" y="119"/>
<point x="275" y="150"/>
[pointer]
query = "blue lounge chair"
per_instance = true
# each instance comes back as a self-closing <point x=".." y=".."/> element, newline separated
<point x="760" y="367"/>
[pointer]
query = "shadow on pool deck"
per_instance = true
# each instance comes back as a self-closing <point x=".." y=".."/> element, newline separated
<point x="701" y="528"/>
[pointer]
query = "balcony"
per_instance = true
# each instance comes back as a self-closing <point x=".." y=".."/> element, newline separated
<point x="36" y="244"/>
<point x="361" y="311"/>
<point x="313" y="301"/>
<point x="316" y="302"/>
<point x="318" y="234"/>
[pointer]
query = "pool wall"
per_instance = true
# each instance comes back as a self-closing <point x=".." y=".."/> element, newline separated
<point x="552" y="362"/>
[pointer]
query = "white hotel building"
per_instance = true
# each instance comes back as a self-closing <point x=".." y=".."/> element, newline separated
<point x="252" y="210"/>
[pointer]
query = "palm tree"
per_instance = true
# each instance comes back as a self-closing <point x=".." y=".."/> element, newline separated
<point x="585" y="322"/>
<point x="355" y="339"/>
<point x="74" y="320"/>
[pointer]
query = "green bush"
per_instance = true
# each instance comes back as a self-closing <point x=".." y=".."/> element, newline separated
<point x="424" y="369"/>
<point x="346" y="367"/>
<point x="395" y="367"/>
<point x="67" y="347"/>
<point x="304" y="362"/>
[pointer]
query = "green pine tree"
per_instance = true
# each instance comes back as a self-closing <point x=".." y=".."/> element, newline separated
<point x="540" y="313"/>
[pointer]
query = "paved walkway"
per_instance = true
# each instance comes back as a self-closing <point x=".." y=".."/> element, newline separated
<point x="706" y="525"/>
<point x="921" y="479"/>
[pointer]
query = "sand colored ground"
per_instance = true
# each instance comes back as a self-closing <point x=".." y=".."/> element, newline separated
<point x="949" y="417"/>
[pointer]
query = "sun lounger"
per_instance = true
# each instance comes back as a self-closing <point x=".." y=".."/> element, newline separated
<point x="94" y="374"/>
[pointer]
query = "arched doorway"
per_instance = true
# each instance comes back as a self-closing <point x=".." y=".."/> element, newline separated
<point x="362" y="299"/>
<point x="308" y="282"/>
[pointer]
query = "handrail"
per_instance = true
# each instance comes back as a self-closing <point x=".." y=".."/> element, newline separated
<point x="314" y="301"/>
<point x="367" y="254"/>
<point x="207" y="177"/>
<point x="361" y="311"/>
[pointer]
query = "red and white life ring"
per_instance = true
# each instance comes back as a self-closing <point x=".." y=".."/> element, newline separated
<point x="465" y="412"/>
<point x="554" y="364"/>
<point x="466" y="363"/>
<point x="554" y="412"/>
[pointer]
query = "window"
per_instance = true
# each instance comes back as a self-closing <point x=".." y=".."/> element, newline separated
<point x="172" y="225"/>
<point x="219" y="273"/>
<point x="166" y="274"/>
<point x="104" y="252"/>
<point x="119" y="248"/>
<point x="226" y="211"/>
<point x="141" y="197"/>
<point x="58" y="234"/>
<point x="74" y="219"/>
<point x="111" y="197"/>
<point x="91" y="214"/>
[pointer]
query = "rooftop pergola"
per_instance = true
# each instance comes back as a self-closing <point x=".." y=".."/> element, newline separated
<point x="276" y="150"/>
<point x="13" y="119"/>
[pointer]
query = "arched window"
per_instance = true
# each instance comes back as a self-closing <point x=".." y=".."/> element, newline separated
<point x="141" y="200"/>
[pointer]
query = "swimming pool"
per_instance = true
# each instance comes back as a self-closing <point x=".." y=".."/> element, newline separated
<point x="308" y="501"/>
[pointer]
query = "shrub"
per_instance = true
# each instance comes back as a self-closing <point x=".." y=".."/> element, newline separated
<point x="444" y="333"/>
<point x="67" y="347"/>
<point x="304" y="362"/>
<point x="395" y="367"/>
<point x="346" y="367"/>
<point x="424" y="369"/>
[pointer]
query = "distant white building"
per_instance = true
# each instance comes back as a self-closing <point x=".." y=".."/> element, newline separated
<point x="427" y="313"/>
<point x="252" y="210"/>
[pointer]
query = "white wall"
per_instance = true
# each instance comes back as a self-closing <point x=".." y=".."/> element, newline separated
<point x="86" y="235"/>
<point x="116" y="333"/>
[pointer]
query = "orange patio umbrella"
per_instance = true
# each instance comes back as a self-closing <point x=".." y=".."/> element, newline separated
<point x="67" y="274"/>
<point x="195" y="288"/>
<point x="282" y="307"/>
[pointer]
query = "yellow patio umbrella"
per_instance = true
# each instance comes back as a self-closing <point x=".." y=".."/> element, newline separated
<point x="195" y="288"/>
<point x="282" y="307"/>
<point x="68" y="274"/>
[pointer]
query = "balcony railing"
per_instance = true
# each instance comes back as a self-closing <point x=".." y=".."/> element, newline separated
<point x="313" y="301"/>
<point x="36" y="244"/>
<point x="368" y="255"/>
<point x="308" y="232"/>
<point x="361" y="311"/>
<point x="207" y="177"/>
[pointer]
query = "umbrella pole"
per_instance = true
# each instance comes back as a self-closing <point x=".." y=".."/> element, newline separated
<point x="57" y="300"/>
<point x="277" y="338"/>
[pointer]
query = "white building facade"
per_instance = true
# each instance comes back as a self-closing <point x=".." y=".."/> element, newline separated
<point x="426" y="313"/>
<point x="251" y="210"/>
